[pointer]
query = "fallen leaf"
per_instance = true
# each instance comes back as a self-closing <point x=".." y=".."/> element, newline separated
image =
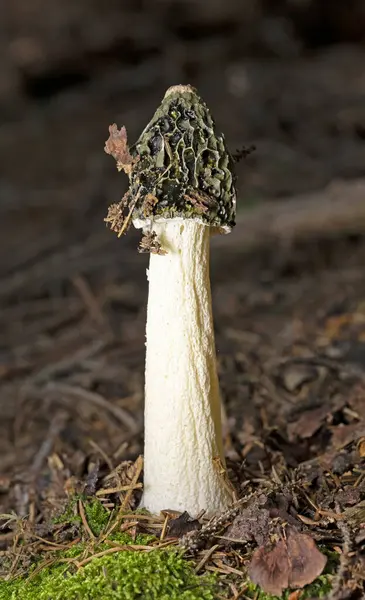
<point x="270" y="569"/>
<point x="292" y="562"/>
<point x="306" y="562"/>
<point x="308" y="423"/>
<point x="182" y="525"/>
<point x="346" y="434"/>
<point x="294" y="376"/>
<point x="311" y="420"/>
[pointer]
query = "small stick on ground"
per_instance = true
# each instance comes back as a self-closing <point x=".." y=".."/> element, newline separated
<point x="90" y="300"/>
<point x="205" y="558"/>
<point x="138" y="469"/>
<point x="84" y="520"/>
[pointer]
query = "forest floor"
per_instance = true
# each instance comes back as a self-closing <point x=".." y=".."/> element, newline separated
<point x="289" y="313"/>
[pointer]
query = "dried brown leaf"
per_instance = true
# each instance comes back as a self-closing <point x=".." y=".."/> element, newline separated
<point x="292" y="562"/>
<point x="117" y="146"/>
<point x="182" y="525"/>
<point x="306" y="562"/>
<point x="346" y="434"/>
<point x="308" y="423"/>
<point x="294" y="376"/>
<point x="270" y="569"/>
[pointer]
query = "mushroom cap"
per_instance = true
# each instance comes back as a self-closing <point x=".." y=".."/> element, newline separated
<point x="183" y="168"/>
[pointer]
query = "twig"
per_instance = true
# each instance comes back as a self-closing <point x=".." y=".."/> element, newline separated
<point x="205" y="558"/>
<point x="338" y="209"/>
<point x="164" y="528"/>
<point x="228" y="569"/>
<point x="69" y="390"/>
<point x="65" y="364"/>
<point x="116" y="490"/>
<point x="138" y="468"/>
<point x="90" y="300"/>
<point x="112" y="551"/>
<point x="84" y="520"/>
<point x="46" y="563"/>
<point x="102" y="453"/>
<point x="56" y="426"/>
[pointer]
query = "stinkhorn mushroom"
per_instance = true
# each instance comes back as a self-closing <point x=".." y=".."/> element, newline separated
<point x="181" y="191"/>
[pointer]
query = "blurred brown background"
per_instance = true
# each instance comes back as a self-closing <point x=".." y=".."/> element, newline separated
<point x="287" y="76"/>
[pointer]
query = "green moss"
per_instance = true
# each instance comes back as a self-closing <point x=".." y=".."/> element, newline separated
<point x="123" y="575"/>
<point x="97" y="516"/>
<point x="70" y="515"/>
<point x="126" y="575"/>
<point x="129" y="574"/>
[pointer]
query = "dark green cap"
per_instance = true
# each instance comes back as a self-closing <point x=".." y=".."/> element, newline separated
<point x="180" y="165"/>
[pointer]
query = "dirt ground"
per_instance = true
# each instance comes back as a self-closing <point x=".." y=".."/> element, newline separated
<point x="289" y="316"/>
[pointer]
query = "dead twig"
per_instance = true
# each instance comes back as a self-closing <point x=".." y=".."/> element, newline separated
<point x="138" y="469"/>
<point x="117" y="490"/>
<point x="112" y="551"/>
<point x="57" y="424"/>
<point x="338" y="209"/>
<point x="79" y="393"/>
<point x="90" y="301"/>
<point x="206" y="557"/>
<point x="84" y="520"/>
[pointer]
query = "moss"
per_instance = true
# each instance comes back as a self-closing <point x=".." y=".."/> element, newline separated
<point x="129" y="574"/>
<point x="69" y="516"/>
<point x="97" y="516"/>
<point x="126" y="575"/>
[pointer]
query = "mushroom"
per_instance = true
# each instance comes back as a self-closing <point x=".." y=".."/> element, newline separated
<point x="181" y="191"/>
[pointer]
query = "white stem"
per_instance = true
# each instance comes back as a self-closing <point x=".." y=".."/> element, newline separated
<point x="183" y="436"/>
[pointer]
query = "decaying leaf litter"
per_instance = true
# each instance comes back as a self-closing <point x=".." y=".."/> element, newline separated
<point x="290" y="356"/>
<point x="290" y="335"/>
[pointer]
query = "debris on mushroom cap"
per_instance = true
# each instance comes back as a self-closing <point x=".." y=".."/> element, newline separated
<point x="117" y="146"/>
<point x="179" y="167"/>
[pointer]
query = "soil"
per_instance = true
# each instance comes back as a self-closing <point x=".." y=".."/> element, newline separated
<point x="290" y="317"/>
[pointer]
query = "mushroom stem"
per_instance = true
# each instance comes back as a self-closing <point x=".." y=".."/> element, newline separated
<point x="183" y="438"/>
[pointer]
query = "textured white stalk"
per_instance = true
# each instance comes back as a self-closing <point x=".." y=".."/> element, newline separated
<point x="182" y="404"/>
